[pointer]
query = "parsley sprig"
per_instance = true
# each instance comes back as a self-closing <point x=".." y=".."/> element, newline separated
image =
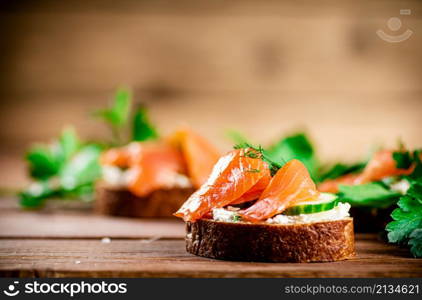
<point x="406" y="227"/>
<point x="65" y="168"/>
<point x="118" y="118"/>
<point x="68" y="167"/>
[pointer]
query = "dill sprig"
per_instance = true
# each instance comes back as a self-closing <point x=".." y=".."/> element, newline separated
<point x="259" y="152"/>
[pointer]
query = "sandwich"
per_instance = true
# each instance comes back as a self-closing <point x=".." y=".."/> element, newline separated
<point x="152" y="179"/>
<point x="375" y="190"/>
<point x="252" y="208"/>
<point x="386" y="196"/>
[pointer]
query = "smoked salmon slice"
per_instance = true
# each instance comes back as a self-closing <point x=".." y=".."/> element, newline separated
<point x="256" y="190"/>
<point x="159" y="165"/>
<point x="118" y="157"/>
<point x="290" y="185"/>
<point x="380" y="166"/>
<point x="199" y="154"/>
<point x="331" y="185"/>
<point x="233" y="175"/>
<point x="154" y="167"/>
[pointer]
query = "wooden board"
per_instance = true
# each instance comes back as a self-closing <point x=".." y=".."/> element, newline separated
<point x="168" y="258"/>
<point x="64" y="242"/>
<point x="76" y="220"/>
<point x="38" y="225"/>
<point x="164" y="48"/>
<point x="263" y="67"/>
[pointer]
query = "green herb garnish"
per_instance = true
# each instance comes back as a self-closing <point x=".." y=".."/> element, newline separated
<point x="403" y="159"/>
<point x="118" y="117"/>
<point x="252" y="154"/>
<point x="406" y="227"/>
<point x="68" y="167"/>
<point x="259" y="152"/>
<point x="236" y="218"/>
<point x="296" y="146"/>
<point x="373" y="194"/>
<point x="340" y="169"/>
<point x="142" y="128"/>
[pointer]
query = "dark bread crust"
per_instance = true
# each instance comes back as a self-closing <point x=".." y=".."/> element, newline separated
<point x="315" y="242"/>
<point x="121" y="202"/>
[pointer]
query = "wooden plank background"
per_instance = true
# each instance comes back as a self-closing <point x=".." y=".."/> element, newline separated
<point x="71" y="243"/>
<point x="261" y="67"/>
<point x="168" y="258"/>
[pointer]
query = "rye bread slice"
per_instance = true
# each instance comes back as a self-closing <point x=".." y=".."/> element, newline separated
<point x="121" y="202"/>
<point x="240" y="241"/>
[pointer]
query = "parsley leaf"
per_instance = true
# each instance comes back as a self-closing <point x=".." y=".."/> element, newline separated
<point x="372" y="194"/>
<point x="403" y="159"/>
<point x="296" y="146"/>
<point x="35" y="195"/>
<point x="64" y="168"/>
<point x="340" y="169"/>
<point x="42" y="163"/>
<point x="406" y="218"/>
<point x="68" y="168"/>
<point x="45" y="161"/>
<point x="83" y="168"/>
<point x="406" y="227"/>
<point x="69" y="143"/>
<point x="142" y="128"/>
<point x="416" y="242"/>
<point x="117" y="115"/>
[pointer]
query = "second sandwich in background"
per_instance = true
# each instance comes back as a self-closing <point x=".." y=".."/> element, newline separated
<point x="152" y="179"/>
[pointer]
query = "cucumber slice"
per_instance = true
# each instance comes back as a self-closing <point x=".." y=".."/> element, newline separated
<point x="325" y="202"/>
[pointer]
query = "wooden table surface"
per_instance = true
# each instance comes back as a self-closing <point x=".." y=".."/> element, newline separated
<point x="71" y="242"/>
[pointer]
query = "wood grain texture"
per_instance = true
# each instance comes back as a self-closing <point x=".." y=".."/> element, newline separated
<point x="168" y="258"/>
<point x="75" y="219"/>
<point x="67" y="242"/>
<point x="264" y="68"/>
<point x="337" y="122"/>
<point x="214" y="65"/>
<point x="210" y="47"/>
<point x="45" y="225"/>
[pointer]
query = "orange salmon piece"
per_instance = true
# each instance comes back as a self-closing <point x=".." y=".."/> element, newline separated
<point x="256" y="190"/>
<point x="380" y="166"/>
<point x="199" y="154"/>
<point x="155" y="167"/>
<point x="233" y="175"/>
<point x="122" y="157"/>
<point x="291" y="184"/>
<point x="331" y="185"/>
<point x="118" y="157"/>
